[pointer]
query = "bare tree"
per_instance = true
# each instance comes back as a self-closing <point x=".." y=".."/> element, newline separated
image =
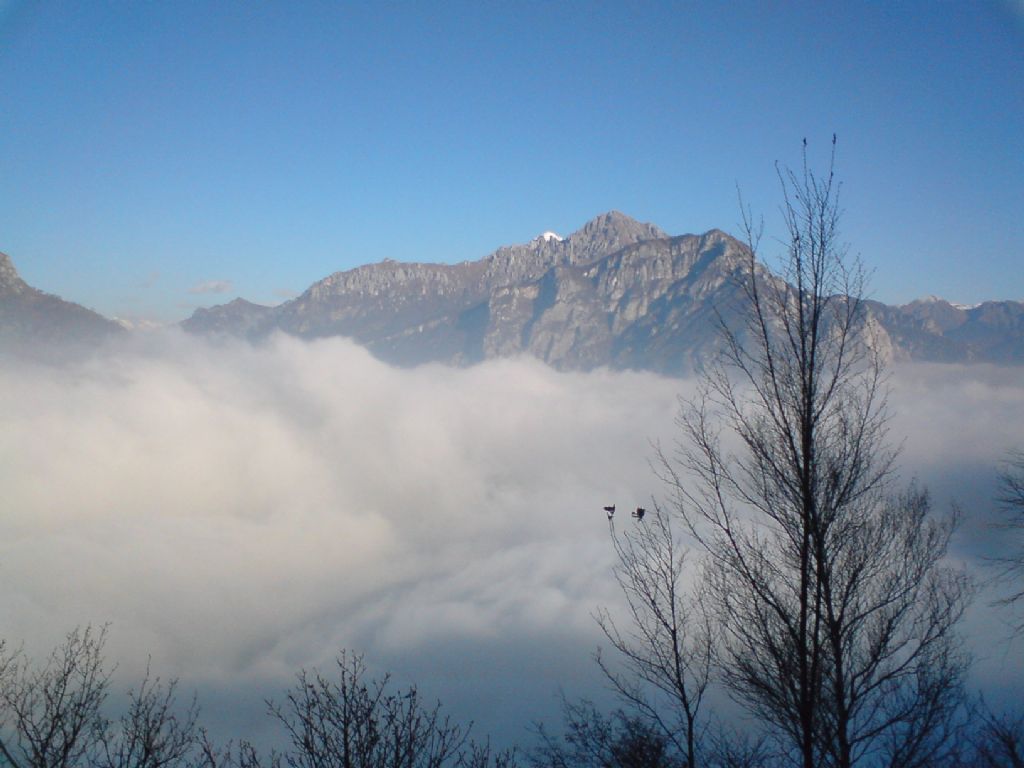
<point x="836" y="610"/>
<point x="51" y="715"/>
<point x="667" y="648"/>
<point x="1011" y="504"/>
<point x="355" y="722"/>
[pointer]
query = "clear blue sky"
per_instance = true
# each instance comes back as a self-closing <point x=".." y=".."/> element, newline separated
<point x="148" y="148"/>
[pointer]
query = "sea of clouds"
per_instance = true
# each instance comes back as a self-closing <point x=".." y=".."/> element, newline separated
<point x="237" y="512"/>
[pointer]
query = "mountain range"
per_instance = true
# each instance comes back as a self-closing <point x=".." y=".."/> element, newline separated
<point x="617" y="293"/>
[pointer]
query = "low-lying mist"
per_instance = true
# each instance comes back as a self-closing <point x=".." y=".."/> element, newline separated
<point x="237" y="512"/>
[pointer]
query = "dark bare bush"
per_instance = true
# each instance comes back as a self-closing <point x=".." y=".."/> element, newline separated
<point x="353" y="721"/>
<point x="52" y="717"/>
<point x="591" y="739"/>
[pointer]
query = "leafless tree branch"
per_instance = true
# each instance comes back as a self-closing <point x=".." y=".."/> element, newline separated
<point x="667" y="648"/>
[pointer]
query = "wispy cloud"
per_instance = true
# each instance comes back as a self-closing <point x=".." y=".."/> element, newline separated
<point x="211" y="286"/>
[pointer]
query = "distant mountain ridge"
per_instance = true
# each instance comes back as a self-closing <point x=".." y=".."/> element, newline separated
<point x="938" y="331"/>
<point x="617" y="292"/>
<point x="29" y="317"/>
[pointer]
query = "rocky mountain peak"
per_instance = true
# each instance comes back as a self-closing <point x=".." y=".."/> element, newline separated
<point x="618" y="224"/>
<point x="926" y="300"/>
<point x="240" y="303"/>
<point x="608" y="233"/>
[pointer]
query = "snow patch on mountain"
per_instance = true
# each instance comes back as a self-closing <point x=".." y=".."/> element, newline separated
<point x="932" y="299"/>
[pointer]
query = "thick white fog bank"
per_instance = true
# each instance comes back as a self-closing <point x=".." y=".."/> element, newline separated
<point x="237" y="512"/>
<point x="970" y="414"/>
<point x="956" y="426"/>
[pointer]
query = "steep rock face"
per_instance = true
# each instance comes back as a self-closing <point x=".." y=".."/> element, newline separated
<point x="30" y="318"/>
<point x="569" y="326"/>
<point x="649" y="305"/>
